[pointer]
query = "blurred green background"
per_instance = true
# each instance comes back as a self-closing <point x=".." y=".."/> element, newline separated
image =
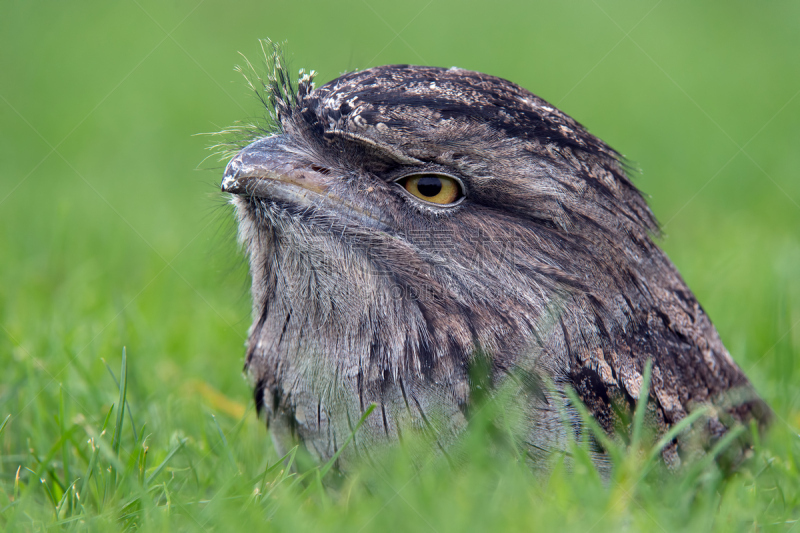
<point x="113" y="232"/>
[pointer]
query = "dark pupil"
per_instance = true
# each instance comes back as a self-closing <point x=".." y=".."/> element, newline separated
<point x="429" y="186"/>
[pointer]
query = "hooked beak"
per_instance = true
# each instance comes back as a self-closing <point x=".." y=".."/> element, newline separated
<point x="266" y="169"/>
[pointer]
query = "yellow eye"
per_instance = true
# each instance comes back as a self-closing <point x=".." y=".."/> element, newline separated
<point x="433" y="188"/>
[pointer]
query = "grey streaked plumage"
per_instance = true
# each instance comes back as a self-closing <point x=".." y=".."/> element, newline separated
<point x="364" y="294"/>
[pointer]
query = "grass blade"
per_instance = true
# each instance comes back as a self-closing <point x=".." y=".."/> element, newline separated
<point x="117" y="437"/>
<point x="674" y="431"/>
<point x="81" y="496"/>
<point x="127" y="404"/>
<point x="62" y="415"/>
<point x="720" y="446"/>
<point x="228" y="451"/>
<point x="641" y="406"/>
<point x="123" y="388"/>
<point x="163" y="464"/>
<point x="64" y="499"/>
<point x="599" y="433"/>
<point x="333" y="459"/>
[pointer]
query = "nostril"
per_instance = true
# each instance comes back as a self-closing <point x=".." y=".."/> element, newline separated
<point x="322" y="170"/>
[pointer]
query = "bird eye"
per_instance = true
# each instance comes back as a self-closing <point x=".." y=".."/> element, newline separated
<point x="433" y="188"/>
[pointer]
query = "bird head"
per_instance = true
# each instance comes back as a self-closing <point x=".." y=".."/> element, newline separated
<point x="401" y="217"/>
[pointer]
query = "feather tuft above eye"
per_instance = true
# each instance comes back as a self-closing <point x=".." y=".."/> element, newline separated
<point x="276" y="89"/>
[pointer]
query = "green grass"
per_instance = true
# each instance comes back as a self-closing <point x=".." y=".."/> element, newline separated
<point x="112" y="242"/>
<point x="209" y="476"/>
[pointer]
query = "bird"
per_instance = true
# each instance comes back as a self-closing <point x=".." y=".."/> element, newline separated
<point x="406" y="225"/>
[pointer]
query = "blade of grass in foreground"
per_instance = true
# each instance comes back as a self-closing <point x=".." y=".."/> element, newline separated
<point x="324" y="470"/>
<point x="228" y="451"/>
<point x="123" y="388"/>
<point x="117" y="437"/>
<point x="641" y="406"/>
<point x="127" y="404"/>
<point x="163" y="464"/>
<point x="674" y="431"/>
<point x="599" y="433"/>
<point x="62" y="422"/>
